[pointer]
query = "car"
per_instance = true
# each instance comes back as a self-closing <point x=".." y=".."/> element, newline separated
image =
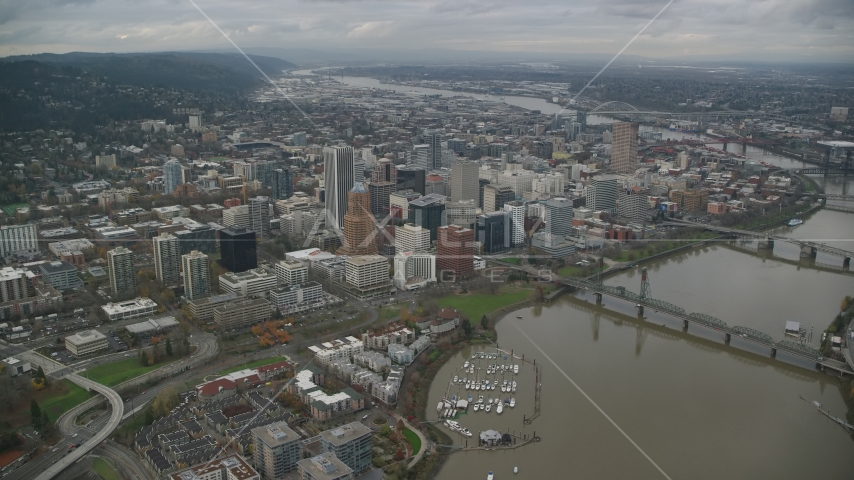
<point x="67" y="452"/>
<point x="74" y="436"/>
<point x="365" y="417"/>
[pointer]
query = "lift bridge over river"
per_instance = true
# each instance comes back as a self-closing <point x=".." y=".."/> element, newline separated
<point x="644" y="300"/>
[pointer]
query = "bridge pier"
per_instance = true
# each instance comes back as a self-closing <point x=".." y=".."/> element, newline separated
<point x="846" y="263"/>
<point x="807" y="251"/>
<point x="768" y="242"/>
<point x="744" y="148"/>
<point x="725" y="146"/>
<point x="727" y="338"/>
<point x="773" y="352"/>
<point x="684" y="324"/>
<point x="598" y="298"/>
<point x="640" y="310"/>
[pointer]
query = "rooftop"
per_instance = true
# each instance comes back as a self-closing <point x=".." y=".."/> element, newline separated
<point x="345" y="433"/>
<point x="275" y="434"/>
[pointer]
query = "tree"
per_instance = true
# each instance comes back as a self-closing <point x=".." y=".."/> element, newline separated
<point x="484" y="323"/>
<point x="35" y="413"/>
<point x="168" y="346"/>
<point x="467" y="327"/>
<point x="385" y="431"/>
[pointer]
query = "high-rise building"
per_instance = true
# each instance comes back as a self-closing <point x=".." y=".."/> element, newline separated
<point x="122" y="274"/>
<point x="624" y="147"/>
<point x="18" y="239"/>
<point x="351" y="444"/>
<point x="238" y="247"/>
<point x="428" y="212"/>
<point x="277" y="450"/>
<point x="493" y="231"/>
<point x="283" y="187"/>
<point x="633" y="203"/>
<point x="197" y="275"/>
<point x="517" y="222"/>
<point x="339" y="177"/>
<point x="457" y="145"/>
<point x="199" y="237"/>
<point x="434" y="139"/>
<point x="384" y="171"/>
<point x="171" y="176"/>
<point x="411" y="238"/>
<point x="291" y="272"/>
<point x="365" y="272"/>
<point x="495" y="196"/>
<point x="380" y="193"/>
<point x="408" y="266"/>
<point x="259" y="215"/>
<point x="300" y="139"/>
<point x="462" y="213"/>
<point x="464" y="181"/>
<point x="601" y="194"/>
<point x="421" y="156"/>
<point x="399" y="202"/>
<point x="455" y="251"/>
<point x="359" y="223"/>
<point x="358" y="170"/>
<point x="237" y="216"/>
<point x="411" y="178"/>
<point x="558" y="216"/>
<point x="167" y="258"/>
<point x="482" y="183"/>
<point x="436" y="184"/>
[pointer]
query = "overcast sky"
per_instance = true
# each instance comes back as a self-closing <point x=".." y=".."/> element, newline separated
<point x="818" y="30"/>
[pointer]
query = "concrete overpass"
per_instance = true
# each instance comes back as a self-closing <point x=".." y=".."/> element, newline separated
<point x="118" y="409"/>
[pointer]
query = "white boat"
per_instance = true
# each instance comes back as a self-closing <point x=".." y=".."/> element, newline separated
<point x="480" y="399"/>
<point x="469" y="398"/>
<point x="440" y="406"/>
<point x="515" y="469"/>
<point x="512" y="402"/>
<point x="499" y="409"/>
<point x="513" y="390"/>
<point x="794" y="222"/>
<point x="456" y="379"/>
<point x="514" y="384"/>
<point x="476" y="407"/>
<point x="515" y="369"/>
<point x="466" y="365"/>
<point x="490" y="476"/>
<point x="488" y="408"/>
<point x="488" y="402"/>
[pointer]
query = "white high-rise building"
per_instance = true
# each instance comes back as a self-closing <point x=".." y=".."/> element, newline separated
<point x="464" y="181"/>
<point x="434" y="139"/>
<point x="291" y="272"/>
<point x="122" y="274"/>
<point x="237" y="217"/>
<point x="18" y="239"/>
<point x="366" y="270"/>
<point x="197" y="276"/>
<point x="601" y="194"/>
<point x="421" y="156"/>
<point x="558" y="216"/>
<point x="259" y="215"/>
<point x="409" y="266"/>
<point x="167" y="254"/>
<point x="411" y="238"/>
<point x="517" y="222"/>
<point x="339" y="178"/>
<point x="171" y="176"/>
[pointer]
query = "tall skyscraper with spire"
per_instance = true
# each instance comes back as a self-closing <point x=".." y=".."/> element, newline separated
<point x="359" y="224"/>
<point x="339" y="177"/>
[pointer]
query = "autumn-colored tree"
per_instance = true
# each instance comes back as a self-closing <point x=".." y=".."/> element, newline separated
<point x="399" y="455"/>
<point x="257" y="330"/>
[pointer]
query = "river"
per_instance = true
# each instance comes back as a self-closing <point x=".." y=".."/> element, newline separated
<point x="698" y="408"/>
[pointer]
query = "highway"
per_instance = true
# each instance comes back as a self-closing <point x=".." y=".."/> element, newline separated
<point x="116" y="414"/>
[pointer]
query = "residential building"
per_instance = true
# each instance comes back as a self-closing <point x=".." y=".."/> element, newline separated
<point x="455" y="251"/>
<point x="359" y="224"/>
<point x="410" y="177"/>
<point x="197" y="275"/>
<point x="339" y="178"/>
<point x="171" y="175"/>
<point x="86" y="342"/>
<point x="15" y="283"/>
<point x="203" y="308"/>
<point x="250" y="283"/>
<point x="633" y="204"/>
<point x="601" y="194"/>
<point x="259" y="215"/>
<point x="464" y="184"/>
<point x="411" y="238"/>
<point x="238" y="248"/>
<point x="493" y="232"/>
<point x="61" y="275"/>
<point x="122" y="273"/>
<point x="241" y="313"/>
<point x="428" y="212"/>
<point x="107" y="162"/>
<point x="690" y="200"/>
<point x="351" y="444"/>
<point x="237" y="216"/>
<point x="325" y="466"/>
<point x="138" y="307"/>
<point x="167" y="263"/>
<point x="283" y="187"/>
<point x="624" y="147"/>
<point x="380" y="193"/>
<point x="277" y="449"/>
<point x="291" y="272"/>
<point x="517" y="222"/>
<point x="196" y="237"/>
<point x="232" y="467"/>
<point x="433" y="140"/>
<point x="170" y="212"/>
<point x="495" y="196"/>
<point x="18" y="239"/>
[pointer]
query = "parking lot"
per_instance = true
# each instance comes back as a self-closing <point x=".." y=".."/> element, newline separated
<point x="116" y="343"/>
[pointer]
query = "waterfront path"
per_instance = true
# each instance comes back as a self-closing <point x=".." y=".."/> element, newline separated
<point x="424" y="441"/>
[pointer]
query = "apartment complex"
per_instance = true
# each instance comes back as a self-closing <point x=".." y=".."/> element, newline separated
<point x="242" y="313"/>
<point x="351" y="443"/>
<point x="277" y="449"/>
<point x="197" y="279"/>
<point x="167" y="254"/>
<point x="122" y="274"/>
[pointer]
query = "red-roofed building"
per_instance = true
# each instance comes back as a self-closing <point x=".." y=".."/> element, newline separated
<point x="445" y="323"/>
<point x="219" y="388"/>
<point x="266" y="372"/>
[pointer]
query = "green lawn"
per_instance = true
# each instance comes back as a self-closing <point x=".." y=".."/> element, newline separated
<point x="59" y="402"/>
<point x="413" y="439"/>
<point x="104" y="470"/>
<point x="256" y="363"/>
<point x="389" y="312"/>
<point x="579" y="271"/>
<point x="476" y="305"/>
<point x="513" y="260"/>
<point x="10" y="209"/>
<point x="117" y="372"/>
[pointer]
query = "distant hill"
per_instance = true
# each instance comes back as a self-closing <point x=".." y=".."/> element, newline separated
<point x="182" y="70"/>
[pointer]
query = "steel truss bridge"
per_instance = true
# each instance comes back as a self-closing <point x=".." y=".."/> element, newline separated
<point x="625" y="110"/>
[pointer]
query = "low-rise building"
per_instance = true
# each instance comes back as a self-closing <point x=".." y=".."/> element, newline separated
<point x="232" y="467"/>
<point x="203" y="308"/>
<point x="255" y="282"/>
<point x="291" y="272"/>
<point x="138" y="307"/>
<point x="61" y="275"/>
<point x="298" y="297"/>
<point x="14" y="367"/>
<point x="86" y="342"/>
<point x="241" y="313"/>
